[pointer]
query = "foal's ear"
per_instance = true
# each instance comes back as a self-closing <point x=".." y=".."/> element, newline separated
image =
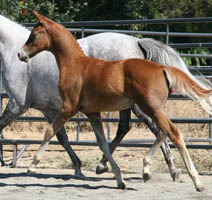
<point x="38" y="16"/>
<point x="42" y="20"/>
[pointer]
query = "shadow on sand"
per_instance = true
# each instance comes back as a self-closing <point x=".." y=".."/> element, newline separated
<point x="64" y="177"/>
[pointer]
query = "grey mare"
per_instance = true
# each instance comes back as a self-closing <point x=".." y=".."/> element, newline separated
<point x="34" y="86"/>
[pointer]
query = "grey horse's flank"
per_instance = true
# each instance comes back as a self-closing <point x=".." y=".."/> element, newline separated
<point x="35" y="85"/>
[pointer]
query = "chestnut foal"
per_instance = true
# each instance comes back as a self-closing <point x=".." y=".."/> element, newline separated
<point x="92" y="86"/>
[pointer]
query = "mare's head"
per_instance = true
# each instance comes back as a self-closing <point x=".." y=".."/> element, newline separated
<point x="39" y="40"/>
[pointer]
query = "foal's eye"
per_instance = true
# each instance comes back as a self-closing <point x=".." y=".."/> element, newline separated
<point x="31" y="39"/>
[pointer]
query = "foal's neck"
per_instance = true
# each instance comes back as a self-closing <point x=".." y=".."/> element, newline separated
<point x="65" y="47"/>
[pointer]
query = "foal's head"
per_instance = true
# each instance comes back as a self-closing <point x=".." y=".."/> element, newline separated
<point x="39" y="39"/>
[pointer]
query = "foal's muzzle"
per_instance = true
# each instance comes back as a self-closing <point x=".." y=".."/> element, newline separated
<point x="23" y="56"/>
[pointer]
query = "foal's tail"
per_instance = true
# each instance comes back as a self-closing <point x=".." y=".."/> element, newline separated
<point x="185" y="85"/>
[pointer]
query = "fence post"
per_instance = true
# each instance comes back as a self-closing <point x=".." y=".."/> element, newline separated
<point x="1" y="135"/>
<point x="78" y="127"/>
<point x="210" y="126"/>
<point x="167" y="33"/>
<point x="1" y="88"/>
<point x="108" y="127"/>
<point x="78" y="114"/>
<point x="82" y="32"/>
<point x="14" y="155"/>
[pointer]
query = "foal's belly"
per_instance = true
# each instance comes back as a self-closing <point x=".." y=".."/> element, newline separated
<point x="107" y="104"/>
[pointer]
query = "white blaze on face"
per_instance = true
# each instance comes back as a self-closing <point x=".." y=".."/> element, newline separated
<point x="23" y="55"/>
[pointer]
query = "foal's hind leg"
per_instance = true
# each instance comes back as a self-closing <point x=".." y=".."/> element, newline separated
<point x="123" y="129"/>
<point x="169" y="158"/>
<point x="177" y="139"/>
<point x="168" y="129"/>
<point x="96" y="123"/>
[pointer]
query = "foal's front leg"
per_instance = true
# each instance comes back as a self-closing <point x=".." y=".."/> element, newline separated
<point x="63" y="140"/>
<point x="62" y="117"/>
<point x="96" y="123"/>
<point x="39" y="154"/>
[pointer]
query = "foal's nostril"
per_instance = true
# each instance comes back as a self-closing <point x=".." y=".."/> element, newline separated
<point x="19" y="55"/>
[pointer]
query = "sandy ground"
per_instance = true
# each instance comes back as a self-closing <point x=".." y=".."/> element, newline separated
<point x="59" y="184"/>
<point x="54" y="178"/>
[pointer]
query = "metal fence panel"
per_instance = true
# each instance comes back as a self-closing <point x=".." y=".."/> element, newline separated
<point x="166" y="34"/>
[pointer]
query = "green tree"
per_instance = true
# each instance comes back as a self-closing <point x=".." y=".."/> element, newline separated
<point x="9" y="8"/>
<point x="20" y="10"/>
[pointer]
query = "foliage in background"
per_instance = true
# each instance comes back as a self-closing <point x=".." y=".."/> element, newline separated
<point x="86" y="10"/>
<point x="196" y="61"/>
<point x="21" y="10"/>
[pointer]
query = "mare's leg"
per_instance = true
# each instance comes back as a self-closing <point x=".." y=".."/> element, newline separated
<point x="1" y="151"/>
<point x="11" y="112"/>
<point x="169" y="157"/>
<point x="123" y="128"/>
<point x="168" y="129"/>
<point x="96" y="123"/>
<point x="63" y="139"/>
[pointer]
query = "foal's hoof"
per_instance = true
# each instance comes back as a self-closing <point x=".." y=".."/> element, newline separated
<point x="100" y="168"/>
<point x="147" y="177"/>
<point x="122" y="185"/>
<point x="31" y="171"/>
<point x="175" y="174"/>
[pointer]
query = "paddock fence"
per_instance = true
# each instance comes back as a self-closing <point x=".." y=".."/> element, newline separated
<point x="85" y="28"/>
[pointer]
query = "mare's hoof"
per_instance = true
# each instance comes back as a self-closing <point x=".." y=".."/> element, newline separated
<point x="147" y="177"/>
<point x="3" y="163"/>
<point x="79" y="175"/>
<point x="176" y="174"/>
<point x="100" y="169"/>
<point x="199" y="188"/>
<point x="122" y="185"/>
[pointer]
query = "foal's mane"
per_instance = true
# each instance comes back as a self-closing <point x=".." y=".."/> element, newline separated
<point x="74" y="39"/>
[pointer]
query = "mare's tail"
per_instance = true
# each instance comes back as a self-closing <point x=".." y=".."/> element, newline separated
<point x="185" y="85"/>
<point x="163" y="54"/>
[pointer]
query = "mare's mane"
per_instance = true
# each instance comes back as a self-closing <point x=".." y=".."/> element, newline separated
<point x="9" y="26"/>
<point x="12" y="34"/>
